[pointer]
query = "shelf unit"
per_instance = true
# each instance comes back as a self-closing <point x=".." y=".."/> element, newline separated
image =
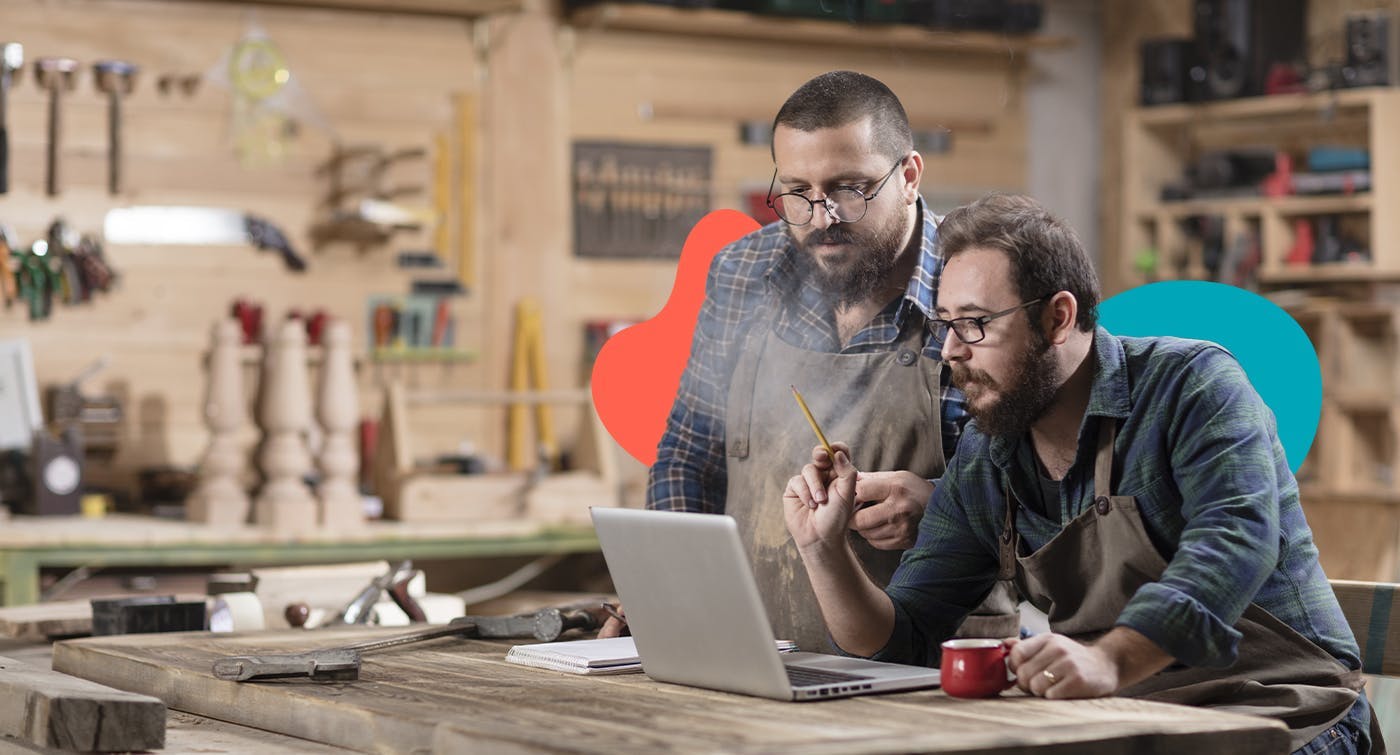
<point x="1350" y="481"/>
<point x="1160" y="141"/>
<point x="731" y="24"/>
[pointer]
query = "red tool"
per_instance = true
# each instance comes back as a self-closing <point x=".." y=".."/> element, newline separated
<point x="384" y="322"/>
<point x="442" y="318"/>
<point x="1303" y="243"/>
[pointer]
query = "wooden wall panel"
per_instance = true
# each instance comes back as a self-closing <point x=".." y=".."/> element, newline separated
<point x="698" y="90"/>
<point x="388" y="79"/>
<point x="380" y="79"/>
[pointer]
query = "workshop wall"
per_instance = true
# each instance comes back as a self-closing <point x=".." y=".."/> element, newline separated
<point x="381" y="80"/>
<point x="388" y="80"/>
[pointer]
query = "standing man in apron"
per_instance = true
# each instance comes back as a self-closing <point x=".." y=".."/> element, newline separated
<point x="1134" y="489"/>
<point x="834" y="299"/>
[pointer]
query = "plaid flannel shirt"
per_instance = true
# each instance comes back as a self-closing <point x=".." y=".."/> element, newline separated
<point x="1200" y="451"/>
<point x="753" y="282"/>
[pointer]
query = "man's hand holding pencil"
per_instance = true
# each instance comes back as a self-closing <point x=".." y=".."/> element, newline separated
<point x="887" y="506"/>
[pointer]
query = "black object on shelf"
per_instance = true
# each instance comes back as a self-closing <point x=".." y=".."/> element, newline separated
<point x="1166" y="70"/>
<point x="1230" y="169"/>
<point x="1373" y="50"/>
<point x="146" y="614"/>
<point x="1014" y="16"/>
<point x="839" y="10"/>
<point x="1238" y="41"/>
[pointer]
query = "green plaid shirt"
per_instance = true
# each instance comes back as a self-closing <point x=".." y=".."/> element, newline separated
<point x="755" y="282"/>
<point x="1199" y="450"/>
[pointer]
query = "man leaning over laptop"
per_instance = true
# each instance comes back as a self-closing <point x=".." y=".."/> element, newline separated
<point x="1133" y="488"/>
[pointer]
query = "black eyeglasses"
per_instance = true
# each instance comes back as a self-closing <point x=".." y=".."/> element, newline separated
<point x="846" y="204"/>
<point x="971" y="330"/>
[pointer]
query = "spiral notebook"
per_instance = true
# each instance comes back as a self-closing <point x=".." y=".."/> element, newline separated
<point x="614" y="655"/>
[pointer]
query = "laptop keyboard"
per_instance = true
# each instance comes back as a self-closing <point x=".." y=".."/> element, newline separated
<point x="808" y="677"/>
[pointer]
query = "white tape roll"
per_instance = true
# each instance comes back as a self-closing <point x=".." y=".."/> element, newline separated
<point x="236" y="612"/>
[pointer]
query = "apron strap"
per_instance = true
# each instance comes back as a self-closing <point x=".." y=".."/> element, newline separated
<point x="1006" y="545"/>
<point x="1103" y="459"/>
<point x="739" y="399"/>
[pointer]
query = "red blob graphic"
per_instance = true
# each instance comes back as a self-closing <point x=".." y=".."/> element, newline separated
<point x="638" y="371"/>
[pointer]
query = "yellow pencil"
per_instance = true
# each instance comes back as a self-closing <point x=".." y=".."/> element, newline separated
<point x="813" y="422"/>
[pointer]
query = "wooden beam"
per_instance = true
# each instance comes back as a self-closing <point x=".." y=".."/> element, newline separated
<point x="751" y="26"/>
<point x="37" y="621"/>
<point x="453" y="8"/>
<point x="51" y="709"/>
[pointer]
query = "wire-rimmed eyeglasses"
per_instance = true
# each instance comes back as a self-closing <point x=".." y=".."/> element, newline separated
<point x="845" y="204"/>
<point x="971" y="330"/>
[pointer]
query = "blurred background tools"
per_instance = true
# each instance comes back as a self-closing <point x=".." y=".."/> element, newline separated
<point x="97" y="417"/>
<point x="116" y="79"/>
<point x="395" y="583"/>
<point x="55" y="75"/>
<point x="527" y="373"/>
<point x="11" y="60"/>
<point x="198" y="226"/>
<point x="67" y="266"/>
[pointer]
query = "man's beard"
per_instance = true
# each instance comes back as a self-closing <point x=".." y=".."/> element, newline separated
<point x="876" y="257"/>
<point x="1024" y="397"/>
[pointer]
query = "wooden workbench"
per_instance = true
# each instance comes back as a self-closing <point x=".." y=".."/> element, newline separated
<point x="461" y="695"/>
<point x="29" y="543"/>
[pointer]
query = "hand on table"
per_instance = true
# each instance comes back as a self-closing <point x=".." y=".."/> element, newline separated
<point x="1056" y="667"/>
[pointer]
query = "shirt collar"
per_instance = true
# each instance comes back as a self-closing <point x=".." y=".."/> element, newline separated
<point x="923" y="287"/>
<point x="1108" y="394"/>
<point x="918" y="295"/>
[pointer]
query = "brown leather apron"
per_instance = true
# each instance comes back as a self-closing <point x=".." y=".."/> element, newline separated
<point x="1085" y="575"/>
<point x="886" y="405"/>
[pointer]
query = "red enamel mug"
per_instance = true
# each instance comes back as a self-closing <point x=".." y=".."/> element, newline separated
<point x="975" y="668"/>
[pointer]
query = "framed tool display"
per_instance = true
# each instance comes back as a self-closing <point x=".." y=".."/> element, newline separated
<point x="637" y="200"/>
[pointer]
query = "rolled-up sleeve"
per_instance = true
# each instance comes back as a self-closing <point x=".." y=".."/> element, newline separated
<point x="1223" y="447"/>
<point x="940" y="580"/>
<point x="689" y="473"/>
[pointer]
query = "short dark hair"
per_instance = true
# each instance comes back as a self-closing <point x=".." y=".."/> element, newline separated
<point x="838" y="98"/>
<point x="1046" y="254"/>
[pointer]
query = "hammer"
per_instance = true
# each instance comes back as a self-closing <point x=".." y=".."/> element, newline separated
<point x="115" y="78"/>
<point x="55" y="75"/>
<point x="11" y="60"/>
<point x="343" y="663"/>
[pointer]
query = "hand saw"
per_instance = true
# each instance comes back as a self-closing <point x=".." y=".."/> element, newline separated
<point x="197" y="226"/>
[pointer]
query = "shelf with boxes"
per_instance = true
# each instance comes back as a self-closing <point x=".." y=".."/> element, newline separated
<point x="1274" y="190"/>
<point x="834" y="28"/>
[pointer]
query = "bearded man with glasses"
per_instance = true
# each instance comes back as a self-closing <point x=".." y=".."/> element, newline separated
<point x="834" y="299"/>
<point x="1134" y="489"/>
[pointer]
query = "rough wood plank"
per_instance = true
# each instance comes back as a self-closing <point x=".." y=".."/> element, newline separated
<point x="64" y="618"/>
<point x="458" y="696"/>
<point x="52" y="709"/>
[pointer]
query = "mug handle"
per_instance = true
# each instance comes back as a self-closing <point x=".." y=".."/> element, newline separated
<point x="1010" y="677"/>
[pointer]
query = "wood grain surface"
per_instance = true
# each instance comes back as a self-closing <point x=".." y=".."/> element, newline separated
<point x="64" y="618"/>
<point x="51" y="709"/>
<point x="461" y="695"/>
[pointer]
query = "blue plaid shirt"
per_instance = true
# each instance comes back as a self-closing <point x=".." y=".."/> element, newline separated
<point x="1200" y="451"/>
<point x="745" y="277"/>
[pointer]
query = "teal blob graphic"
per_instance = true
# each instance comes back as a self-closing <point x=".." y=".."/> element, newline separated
<point x="1273" y="349"/>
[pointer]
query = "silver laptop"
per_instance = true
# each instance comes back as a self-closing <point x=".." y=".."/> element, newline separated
<point x="694" y="610"/>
